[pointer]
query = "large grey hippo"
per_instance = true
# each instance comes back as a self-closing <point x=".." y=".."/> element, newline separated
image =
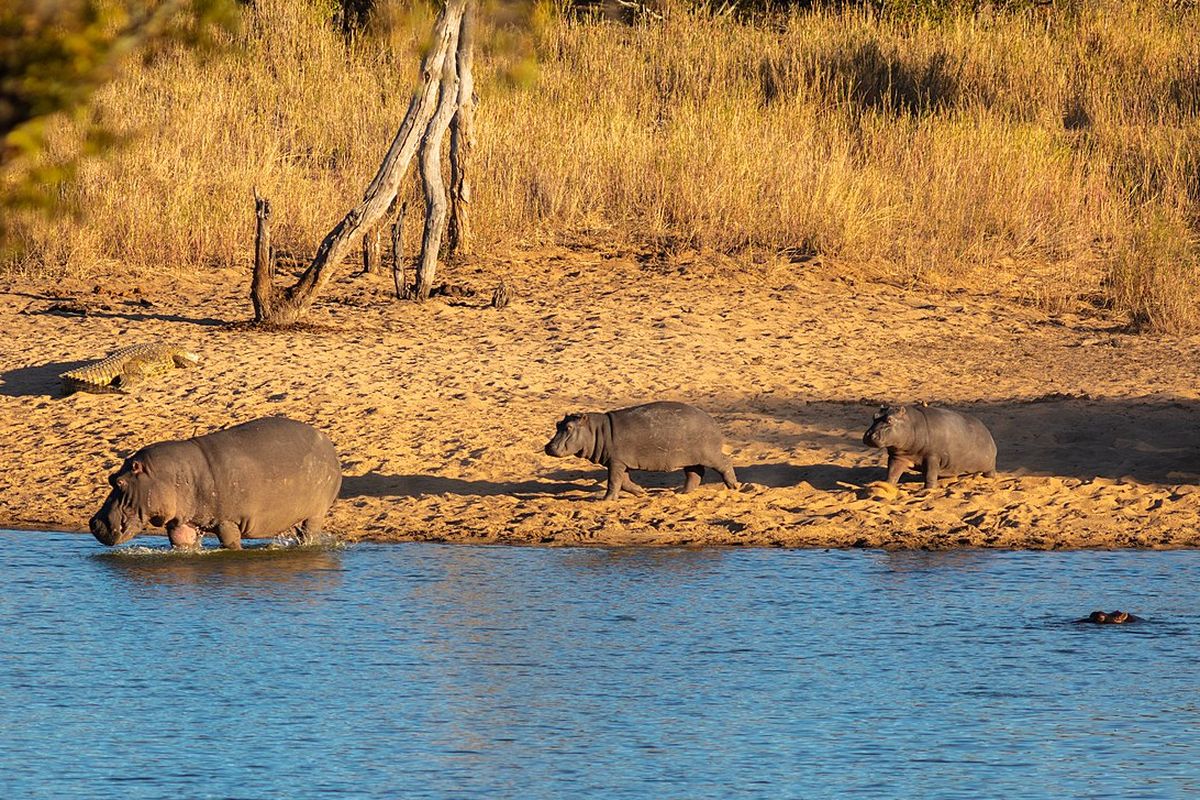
<point x="658" y="437"/>
<point x="254" y="480"/>
<point x="936" y="440"/>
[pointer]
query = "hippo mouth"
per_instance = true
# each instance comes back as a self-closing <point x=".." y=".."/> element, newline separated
<point x="108" y="535"/>
<point x="115" y="526"/>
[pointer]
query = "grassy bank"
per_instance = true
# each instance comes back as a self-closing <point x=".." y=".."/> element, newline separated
<point x="1055" y="157"/>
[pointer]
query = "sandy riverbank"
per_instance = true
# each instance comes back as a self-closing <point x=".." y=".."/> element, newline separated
<point x="440" y="411"/>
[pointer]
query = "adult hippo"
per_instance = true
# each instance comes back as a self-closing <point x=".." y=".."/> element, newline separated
<point x="254" y="480"/>
<point x="937" y="441"/>
<point x="658" y="437"/>
<point x="1109" y="618"/>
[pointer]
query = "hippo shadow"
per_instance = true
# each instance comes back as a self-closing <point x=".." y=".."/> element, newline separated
<point x="38" y="380"/>
<point x="1152" y="438"/>
<point x="373" y="484"/>
<point x="826" y="477"/>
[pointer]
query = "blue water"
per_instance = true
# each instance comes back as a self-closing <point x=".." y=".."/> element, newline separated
<point x="425" y="670"/>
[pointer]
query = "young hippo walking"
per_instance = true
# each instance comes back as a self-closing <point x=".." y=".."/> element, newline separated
<point x="935" y="440"/>
<point x="657" y="437"/>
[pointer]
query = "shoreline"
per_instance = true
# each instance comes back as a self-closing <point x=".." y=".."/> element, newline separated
<point x="439" y="411"/>
<point x="144" y="539"/>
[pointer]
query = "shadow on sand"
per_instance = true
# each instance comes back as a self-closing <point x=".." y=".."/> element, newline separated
<point x="41" y="380"/>
<point x="1147" y="439"/>
<point x="1153" y="439"/>
<point x="820" y="476"/>
<point x="375" y="485"/>
<point x="142" y="316"/>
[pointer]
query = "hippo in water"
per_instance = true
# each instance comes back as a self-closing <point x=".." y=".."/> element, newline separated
<point x="937" y="440"/>
<point x="1109" y="618"/>
<point x="253" y="480"/>
<point x="657" y="437"/>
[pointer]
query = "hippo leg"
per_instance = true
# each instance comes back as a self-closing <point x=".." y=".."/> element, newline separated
<point x="725" y="467"/>
<point x="695" y="474"/>
<point x="631" y="487"/>
<point x="312" y="530"/>
<point x="896" y="467"/>
<point x="931" y="472"/>
<point x="617" y="474"/>
<point x="230" y="535"/>
<point x="991" y="473"/>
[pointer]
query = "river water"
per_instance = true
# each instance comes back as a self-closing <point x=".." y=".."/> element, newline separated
<point x="425" y="670"/>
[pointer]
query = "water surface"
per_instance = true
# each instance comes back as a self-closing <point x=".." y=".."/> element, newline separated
<point x="423" y="670"/>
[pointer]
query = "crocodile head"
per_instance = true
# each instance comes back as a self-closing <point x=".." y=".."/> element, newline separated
<point x="185" y="359"/>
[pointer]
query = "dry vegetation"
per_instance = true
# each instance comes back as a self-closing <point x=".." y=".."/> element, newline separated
<point x="1053" y="157"/>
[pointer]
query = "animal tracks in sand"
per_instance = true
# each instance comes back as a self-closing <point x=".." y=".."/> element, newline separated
<point x="440" y="412"/>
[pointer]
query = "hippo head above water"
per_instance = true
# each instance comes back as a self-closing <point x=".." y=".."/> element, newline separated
<point x="136" y="497"/>
<point x="890" y="427"/>
<point x="572" y="437"/>
<point x="1110" y="618"/>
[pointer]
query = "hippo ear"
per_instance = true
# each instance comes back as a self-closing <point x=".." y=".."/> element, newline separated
<point x="900" y="412"/>
<point x="136" y="467"/>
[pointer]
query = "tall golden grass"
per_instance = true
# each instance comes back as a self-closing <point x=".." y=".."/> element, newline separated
<point x="1053" y="156"/>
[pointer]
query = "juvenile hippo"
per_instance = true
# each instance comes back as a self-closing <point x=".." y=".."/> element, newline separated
<point x="940" y="441"/>
<point x="253" y="480"/>
<point x="658" y="437"/>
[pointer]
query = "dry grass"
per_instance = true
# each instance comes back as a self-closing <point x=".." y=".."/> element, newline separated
<point x="1053" y="157"/>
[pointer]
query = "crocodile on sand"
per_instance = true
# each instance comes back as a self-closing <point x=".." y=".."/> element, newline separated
<point x="127" y="367"/>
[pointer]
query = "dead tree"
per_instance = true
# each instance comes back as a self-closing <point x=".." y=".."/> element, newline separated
<point x="462" y="141"/>
<point x="431" y="178"/>
<point x="398" y="277"/>
<point x="436" y="100"/>
<point x="370" y="252"/>
<point x="262" y="284"/>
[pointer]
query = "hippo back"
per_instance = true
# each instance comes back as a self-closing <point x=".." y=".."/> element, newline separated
<point x="664" y="436"/>
<point x="961" y="442"/>
<point x="271" y="473"/>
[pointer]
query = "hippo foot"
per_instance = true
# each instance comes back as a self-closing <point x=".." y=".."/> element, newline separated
<point x="185" y="537"/>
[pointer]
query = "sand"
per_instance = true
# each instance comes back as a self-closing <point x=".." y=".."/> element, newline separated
<point x="440" y="411"/>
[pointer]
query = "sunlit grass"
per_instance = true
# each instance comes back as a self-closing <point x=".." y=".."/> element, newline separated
<point x="1055" y="156"/>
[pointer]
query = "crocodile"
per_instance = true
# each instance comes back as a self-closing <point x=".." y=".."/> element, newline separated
<point x="127" y="367"/>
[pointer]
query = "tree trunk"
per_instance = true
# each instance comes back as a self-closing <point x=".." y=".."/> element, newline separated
<point x="435" y="185"/>
<point x="370" y="253"/>
<point x="398" y="276"/>
<point x="294" y="302"/>
<point x="462" y="141"/>
<point x="262" y="286"/>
